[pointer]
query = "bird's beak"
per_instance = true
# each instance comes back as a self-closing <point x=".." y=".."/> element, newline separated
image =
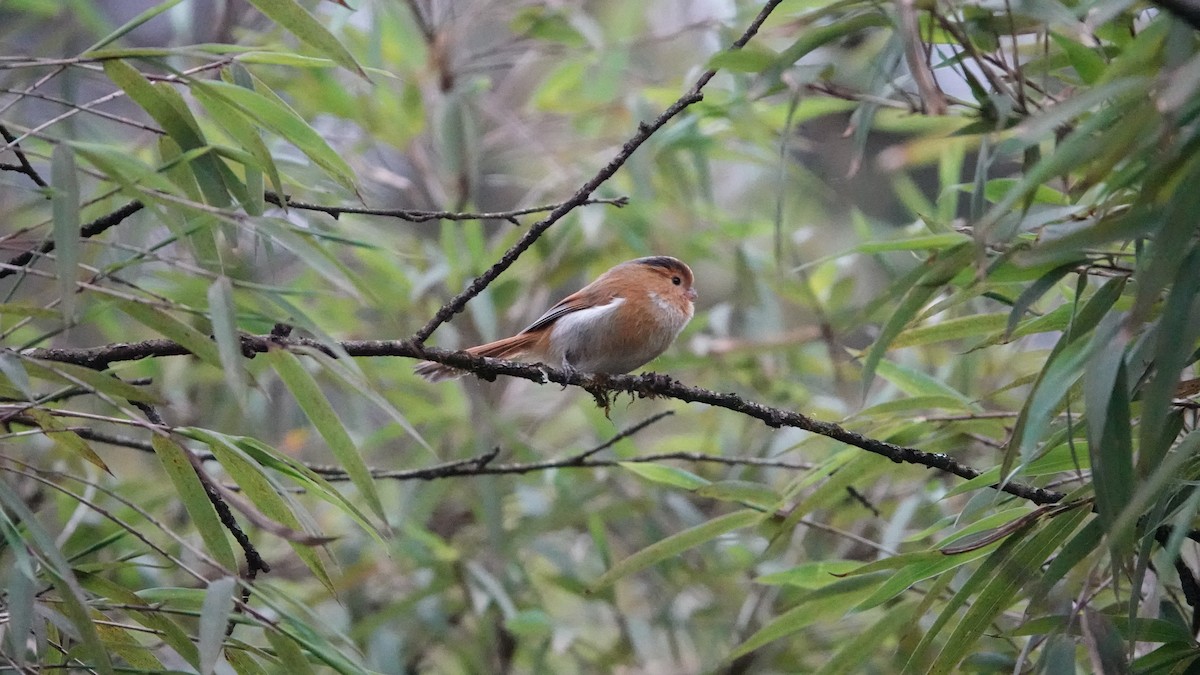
<point x="691" y="294"/>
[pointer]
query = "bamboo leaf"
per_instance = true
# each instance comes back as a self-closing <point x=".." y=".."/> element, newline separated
<point x="1176" y="335"/>
<point x="665" y="475"/>
<point x="223" y="317"/>
<point x="322" y="415"/>
<point x="950" y="329"/>
<point x="166" y="325"/>
<point x="290" y="656"/>
<point x="214" y="616"/>
<point x="1032" y="293"/>
<point x="939" y="269"/>
<point x="1110" y="437"/>
<point x="810" y="575"/>
<point x="145" y="614"/>
<point x="64" y="201"/>
<point x="234" y="123"/>
<point x="93" y="380"/>
<point x="1084" y="60"/>
<point x="915" y="383"/>
<point x="1001" y="586"/>
<point x="263" y="491"/>
<point x="284" y="121"/>
<point x="194" y="498"/>
<point x="71" y="596"/>
<point x="826" y="602"/>
<point x="66" y="439"/>
<point x="676" y="544"/>
<point x="180" y="127"/>
<point x="747" y="493"/>
<point x="299" y="22"/>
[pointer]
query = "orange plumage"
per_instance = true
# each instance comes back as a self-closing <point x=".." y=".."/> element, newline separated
<point x="622" y="320"/>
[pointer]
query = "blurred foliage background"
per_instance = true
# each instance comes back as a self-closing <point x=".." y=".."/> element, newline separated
<point x="962" y="227"/>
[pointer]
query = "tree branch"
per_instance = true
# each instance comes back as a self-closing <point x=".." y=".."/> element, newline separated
<point x="24" y="166"/>
<point x="416" y="216"/>
<point x="651" y="385"/>
<point x="89" y="230"/>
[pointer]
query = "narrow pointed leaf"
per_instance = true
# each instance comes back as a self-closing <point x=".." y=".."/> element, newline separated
<point x="195" y="500"/>
<point x="214" y="616"/>
<point x="322" y="415"/>
<point x="72" y="599"/>
<point x="168" y="326"/>
<point x="64" y="202"/>
<point x="223" y="316"/>
<point x="65" y="438"/>
<point x="676" y="544"/>
<point x="299" y="22"/>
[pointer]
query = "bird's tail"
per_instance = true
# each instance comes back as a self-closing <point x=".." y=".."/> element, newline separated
<point x="512" y="348"/>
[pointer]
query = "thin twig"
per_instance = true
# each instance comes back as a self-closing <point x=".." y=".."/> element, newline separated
<point x="89" y="230"/>
<point x="416" y="216"/>
<point x="24" y="167"/>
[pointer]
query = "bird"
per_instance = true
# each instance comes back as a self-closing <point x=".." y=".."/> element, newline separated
<point x="622" y="320"/>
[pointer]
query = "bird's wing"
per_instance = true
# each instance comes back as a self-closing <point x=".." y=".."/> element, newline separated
<point x="572" y="303"/>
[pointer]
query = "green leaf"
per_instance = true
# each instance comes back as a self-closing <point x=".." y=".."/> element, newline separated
<point x="1110" y="437"/>
<point x="1032" y="293"/>
<point x="1141" y="630"/>
<point x="297" y="20"/>
<point x="72" y="600"/>
<point x="289" y="653"/>
<point x="279" y="118"/>
<point x="813" y="37"/>
<point x="1150" y="489"/>
<point x="746" y="493"/>
<point x="950" y="329"/>
<point x="263" y="491"/>
<point x="194" y="498"/>
<point x="923" y="566"/>
<point x="166" y="325"/>
<point x="145" y="614"/>
<point x="826" y="603"/>
<point x="915" y="403"/>
<point x="234" y="123"/>
<point x="928" y="242"/>
<point x="21" y="587"/>
<point x="223" y="317"/>
<point x="676" y="544"/>
<point x="64" y="202"/>
<point x="181" y="127"/>
<point x="1175" y="339"/>
<point x="1084" y="60"/>
<point x="311" y="481"/>
<point x="322" y="415"/>
<point x="127" y="27"/>
<point x="916" y="383"/>
<point x="810" y="575"/>
<point x="92" y="380"/>
<point x="214" y="616"/>
<point x="550" y="25"/>
<point x="344" y="369"/>
<point x="854" y="653"/>
<point x="744" y="60"/>
<point x="1001" y="585"/>
<point x="939" y="269"/>
<point x="666" y="475"/>
<point x="65" y="438"/>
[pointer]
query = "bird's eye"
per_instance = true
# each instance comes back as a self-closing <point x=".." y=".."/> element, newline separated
<point x="676" y="280"/>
